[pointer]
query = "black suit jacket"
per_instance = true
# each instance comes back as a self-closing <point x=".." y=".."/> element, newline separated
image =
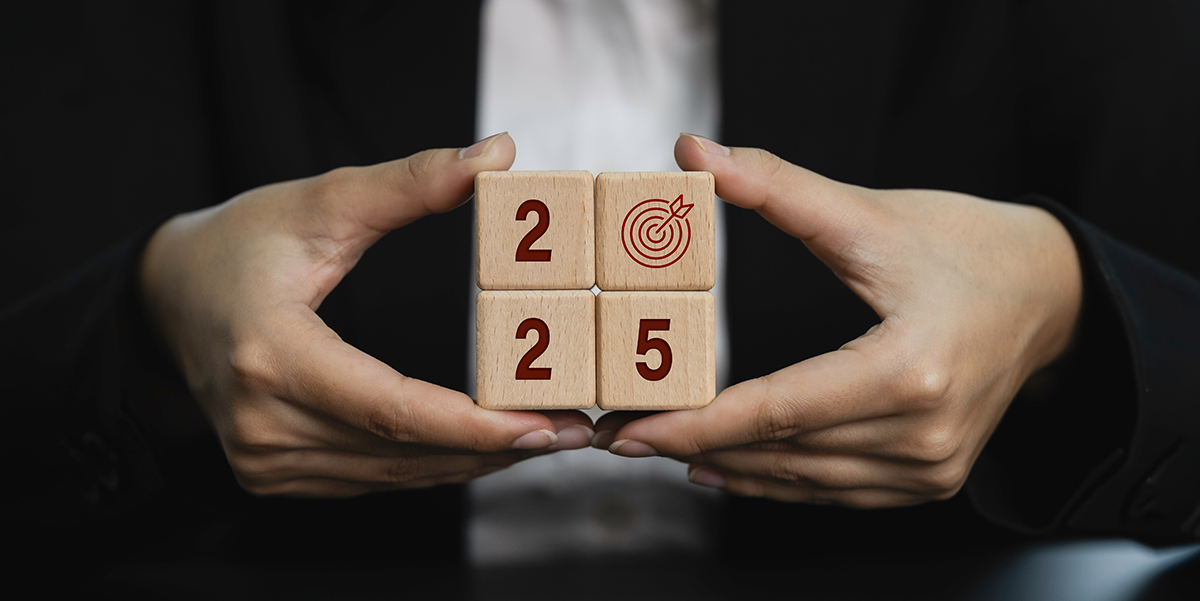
<point x="117" y="119"/>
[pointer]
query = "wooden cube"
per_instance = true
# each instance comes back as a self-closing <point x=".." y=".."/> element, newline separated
<point x="656" y="350"/>
<point x="536" y="350"/>
<point x="535" y="230"/>
<point x="656" y="231"/>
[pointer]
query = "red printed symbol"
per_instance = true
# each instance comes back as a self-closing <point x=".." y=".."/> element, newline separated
<point x="656" y="233"/>
<point x="524" y="252"/>
<point x="525" y="369"/>
<point x="645" y="344"/>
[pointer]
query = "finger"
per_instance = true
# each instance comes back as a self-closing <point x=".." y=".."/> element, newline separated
<point x="911" y="439"/>
<point x="316" y="488"/>
<point x="574" y="429"/>
<point x="316" y="369"/>
<point x="862" y="498"/>
<point x="361" y="469"/>
<point x="281" y="426"/>
<point x="846" y="385"/>
<point x="389" y="195"/>
<point x="832" y="472"/>
<point x="609" y="423"/>
<point x="804" y="204"/>
<point x="331" y="488"/>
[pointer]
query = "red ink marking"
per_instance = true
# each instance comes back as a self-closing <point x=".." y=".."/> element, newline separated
<point x="656" y="233"/>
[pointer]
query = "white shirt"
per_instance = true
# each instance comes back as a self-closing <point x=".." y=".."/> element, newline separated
<point x="601" y="85"/>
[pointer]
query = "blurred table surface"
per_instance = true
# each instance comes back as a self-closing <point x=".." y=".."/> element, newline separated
<point x="1093" y="570"/>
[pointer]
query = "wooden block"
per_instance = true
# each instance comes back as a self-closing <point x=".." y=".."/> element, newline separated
<point x="656" y="231"/>
<point x="536" y="350"/>
<point x="535" y="230"/>
<point x="656" y="350"/>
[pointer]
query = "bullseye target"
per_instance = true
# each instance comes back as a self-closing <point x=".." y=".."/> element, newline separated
<point x="656" y="233"/>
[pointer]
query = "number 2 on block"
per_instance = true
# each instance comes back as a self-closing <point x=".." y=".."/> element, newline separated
<point x="525" y="371"/>
<point x="524" y="252"/>
<point x="646" y="344"/>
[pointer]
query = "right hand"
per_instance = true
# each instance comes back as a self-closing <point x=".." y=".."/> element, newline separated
<point x="233" y="292"/>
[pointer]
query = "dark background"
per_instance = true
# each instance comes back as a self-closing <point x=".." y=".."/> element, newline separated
<point x="117" y="115"/>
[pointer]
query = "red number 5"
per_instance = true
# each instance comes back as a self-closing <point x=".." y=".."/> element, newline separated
<point x="646" y="344"/>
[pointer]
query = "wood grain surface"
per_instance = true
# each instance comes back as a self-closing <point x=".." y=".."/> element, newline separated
<point x="633" y="331"/>
<point x="518" y="248"/>
<point x="641" y="241"/>
<point x="513" y="369"/>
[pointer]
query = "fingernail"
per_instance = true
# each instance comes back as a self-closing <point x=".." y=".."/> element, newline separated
<point x="632" y="448"/>
<point x="603" y="439"/>
<point x="539" y="439"/>
<point x="706" y="477"/>
<point x="483" y="471"/>
<point x="708" y="145"/>
<point x="479" y="147"/>
<point x="574" y="437"/>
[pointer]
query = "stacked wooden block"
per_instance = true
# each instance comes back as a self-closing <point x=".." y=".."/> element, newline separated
<point x="647" y="240"/>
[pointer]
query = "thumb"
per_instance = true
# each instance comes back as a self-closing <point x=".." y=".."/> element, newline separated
<point x="825" y="214"/>
<point x="376" y="199"/>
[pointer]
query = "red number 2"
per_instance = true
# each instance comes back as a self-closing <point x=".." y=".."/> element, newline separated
<point x="524" y="371"/>
<point x="524" y="253"/>
<point x="646" y="344"/>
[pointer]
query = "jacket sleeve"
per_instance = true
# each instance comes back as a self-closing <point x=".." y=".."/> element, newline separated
<point x="95" y="409"/>
<point x="1107" y="441"/>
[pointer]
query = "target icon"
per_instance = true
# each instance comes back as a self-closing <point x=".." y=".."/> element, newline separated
<point x="656" y="233"/>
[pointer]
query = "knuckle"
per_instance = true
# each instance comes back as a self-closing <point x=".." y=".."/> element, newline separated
<point x="250" y="469"/>
<point x="254" y="365"/>
<point x="776" y="184"/>
<point x="256" y="490"/>
<point x="924" y="384"/>
<point x="419" y="166"/>
<point x="401" y="470"/>
<point x="245" y="434"/>
<point x="391" y="421"/>
<point x="421" y="171"/>
<point x="249" y="480"/>
<point x="249" y="433"/>
<point x="785" y="468"/>
<point x="945" y="480"/>
<point x="328" y="191"/>
<point x="774" y="419"/>
<point x="935" y="444"/>
<point x="691" y="444"/>
<point x="331" y="185"/>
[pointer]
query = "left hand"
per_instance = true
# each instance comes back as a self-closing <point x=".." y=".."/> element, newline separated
<point x="233" y="290"/>
<point x="974" y="296"/>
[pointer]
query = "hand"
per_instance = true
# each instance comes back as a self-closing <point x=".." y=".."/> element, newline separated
<point x="233" y="290"/>
<point x="974" y="296"/>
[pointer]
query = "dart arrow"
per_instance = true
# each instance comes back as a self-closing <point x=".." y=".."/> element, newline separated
<point x="678" y="211"/>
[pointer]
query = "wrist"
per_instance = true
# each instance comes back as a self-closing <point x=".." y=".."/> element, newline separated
<point x="1056" y="266"/>
<point x="171" y="411"/>
<point x="159" y="283"/>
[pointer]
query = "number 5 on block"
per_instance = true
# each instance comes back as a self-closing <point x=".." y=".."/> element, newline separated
<point x="656" y="350"/>
<point x="536" y="350"/>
